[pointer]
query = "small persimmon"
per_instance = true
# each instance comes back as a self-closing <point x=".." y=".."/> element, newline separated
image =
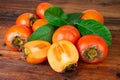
<point x="41" y="8"/>
<point x="36" y="51"/>
<point x="26" y="19"/>
<point x="62" y="56"/>
<point x="66" y="32"/>
<point x="93" y="14"/>
<point x="16" y="36"/>
<point x="38" y="23"/>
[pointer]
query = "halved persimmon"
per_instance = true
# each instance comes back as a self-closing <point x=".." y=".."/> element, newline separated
<point x="36" y="51"/>
<point x="62" y="56"/>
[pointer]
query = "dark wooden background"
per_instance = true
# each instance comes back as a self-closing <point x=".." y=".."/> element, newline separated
<point x="13" y="67"/>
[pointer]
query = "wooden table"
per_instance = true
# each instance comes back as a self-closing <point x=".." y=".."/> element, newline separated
<point x="13" y="67"/>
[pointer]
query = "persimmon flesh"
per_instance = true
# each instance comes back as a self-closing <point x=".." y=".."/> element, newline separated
<point x="62" y="56"/>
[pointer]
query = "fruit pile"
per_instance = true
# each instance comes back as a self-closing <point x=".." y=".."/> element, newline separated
<point x="60" y="38"/>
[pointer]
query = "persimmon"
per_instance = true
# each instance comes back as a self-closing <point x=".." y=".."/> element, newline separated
<point x="92" y="48"/>
<point x="41" y="8"/>
<point x="26" y="19"/>
<point x="38" y="23"/>
<point x="16" y="36"/>
<point x="93" y="14"/>
<point x="63" y="56"/>
<point x="66" y="32"/>
<point x="36" y="51"/>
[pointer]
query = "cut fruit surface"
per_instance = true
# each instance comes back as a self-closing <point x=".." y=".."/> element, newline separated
<point x="62" y="54"/>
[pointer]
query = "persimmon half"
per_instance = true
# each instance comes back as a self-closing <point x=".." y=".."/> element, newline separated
<point x="93" y="14"/>
<point x="62" y="56"/>
<point x="36" y="51"/>
<point x="16" y="36"/>
<point x="66" y="32"/>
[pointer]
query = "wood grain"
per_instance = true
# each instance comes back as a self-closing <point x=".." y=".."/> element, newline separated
<point x="13" y="66"/>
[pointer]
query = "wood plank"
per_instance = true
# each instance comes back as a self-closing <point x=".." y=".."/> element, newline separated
<point x="26" y="71"/>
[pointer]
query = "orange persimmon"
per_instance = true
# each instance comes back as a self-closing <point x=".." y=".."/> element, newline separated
<point x="26" y="19"/>
<point x="38" y="23"/>
<point x="66" y="32"/>
<point x="93" y="14"/>
<point x="16" y="36"/>
<point x="41" y="8"/>
<point x="92" y="48"/>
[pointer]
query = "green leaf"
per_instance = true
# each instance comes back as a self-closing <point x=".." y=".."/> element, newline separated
<point x="94" y="27"/>
<point x="55" y="16"/>
<point x="73" y="18"/>
<point x="43" y="33"/>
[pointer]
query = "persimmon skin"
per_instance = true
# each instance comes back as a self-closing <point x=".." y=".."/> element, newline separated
<point x="38" y="23"/>
<point x="93" y="14"/>
<point x="61" y="54"/>
<point x="25" y="19"/>
<point x="41" y="8"/>
<point x="92" y="41"/>
<point x="66" y="32"/>
<point x="36" y="51"/>
<point x="16" y="30"/>
<point x="30" y="59"/>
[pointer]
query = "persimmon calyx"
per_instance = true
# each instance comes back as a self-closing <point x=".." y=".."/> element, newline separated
<point x="91" y="53"/>
<point x="26" y="51"/>
<point x="70" y="67"/>
<point x="18" y="42"/>
<point x="32" y="20"/>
